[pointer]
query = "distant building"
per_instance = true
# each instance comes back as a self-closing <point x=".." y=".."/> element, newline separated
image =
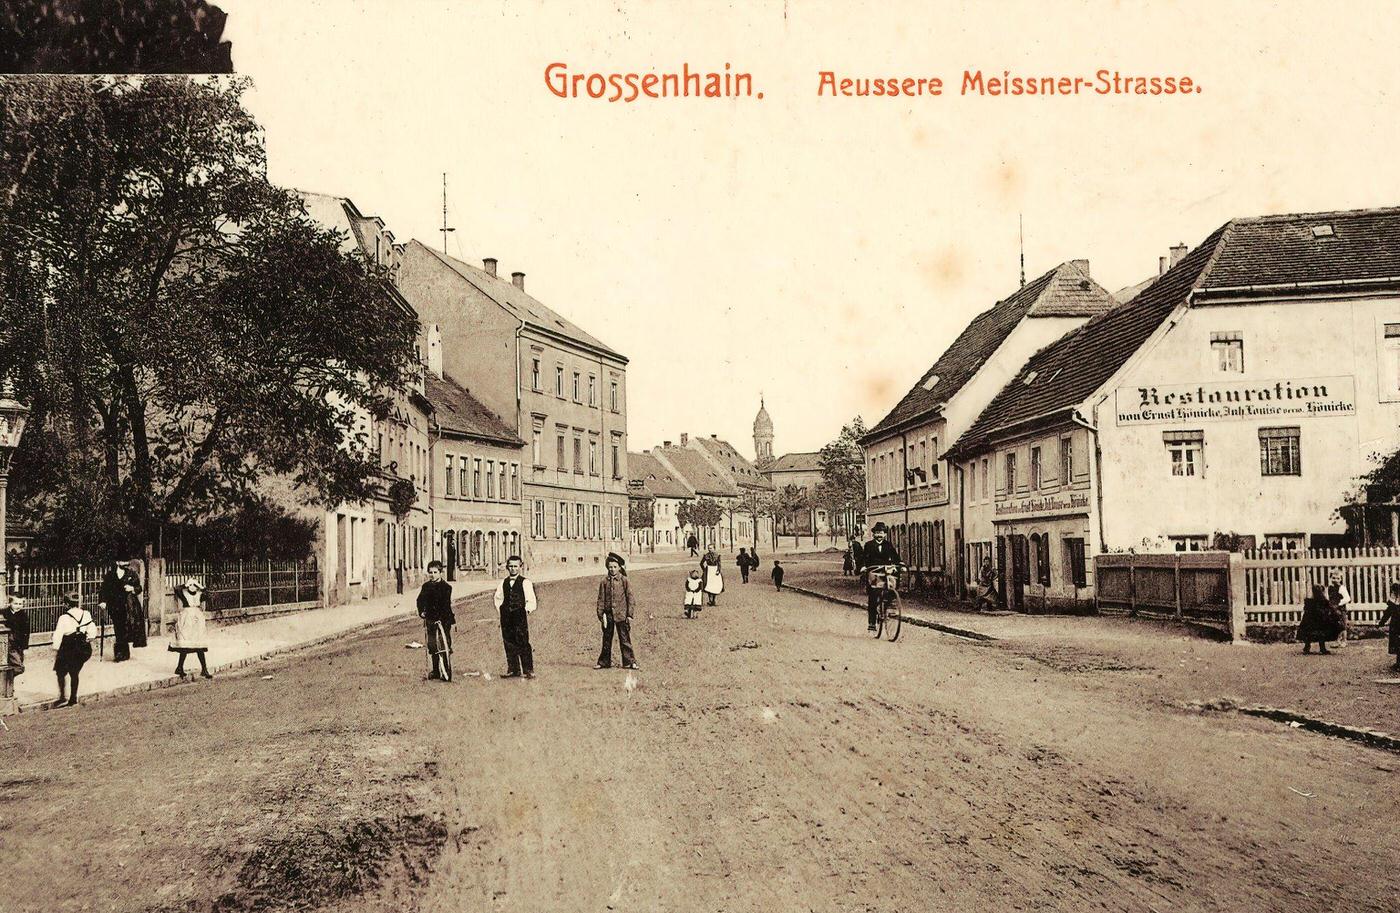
<point x="712" y="468"/>
<point x="652" y="481"/>
<point x="762" y="437"/>
<point x="800" y="470"/>
<point x="561" y="389"/>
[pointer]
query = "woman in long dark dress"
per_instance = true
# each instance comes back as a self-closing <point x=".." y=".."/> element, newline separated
<point x="1319" y="622"/>
<point x="1391" y="616"/>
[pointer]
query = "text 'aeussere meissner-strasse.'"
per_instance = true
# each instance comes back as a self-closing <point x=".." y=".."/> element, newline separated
<point x="978" y="82"/>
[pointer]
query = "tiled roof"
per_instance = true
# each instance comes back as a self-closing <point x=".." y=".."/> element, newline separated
<point x="1264" y="251"/>
<point x="654" y="478"/>
<point x="1065" y="291"/>
<point x="740" y="469"/>
<point x="696" y="472"/>
<point x="523" y="306"/>
<point x="1078" y="363"/>
<point x="458" y="411"/>
<point x="797" y="462"/>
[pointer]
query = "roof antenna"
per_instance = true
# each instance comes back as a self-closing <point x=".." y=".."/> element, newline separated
<point x="1021" y="225"/>
<point x="445" y="229"/>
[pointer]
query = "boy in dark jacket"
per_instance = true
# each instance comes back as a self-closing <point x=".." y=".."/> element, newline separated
<point x="435" y="607"/>
<point x="778" y="574"/>
<point x="18" y="623"/>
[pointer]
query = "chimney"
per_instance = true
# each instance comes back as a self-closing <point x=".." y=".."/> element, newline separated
<point x="434" y="332"/>
<point x="1178" y="251"/>
<point x="1161" y="265"/>
<point x="665" y="443"/>
<point x="1083" y="266"/>
<point x="490" y="264"/>
<point x="519" y="280"/>
<point x="685" y="438"/>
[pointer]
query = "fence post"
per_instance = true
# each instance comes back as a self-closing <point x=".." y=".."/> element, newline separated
<point x="240" y="585"/>
<point x="158" y="587"/>
<point x="269" y="582"/>
<point x="1238" y="618"/>
<point x="296" y="581"/>
<point x="1176" y="584"/>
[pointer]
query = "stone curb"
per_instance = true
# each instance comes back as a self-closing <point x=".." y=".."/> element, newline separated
<point x="1372" y="737"/>
<point x="909" y="619"/>
<point x="172" y="680"/>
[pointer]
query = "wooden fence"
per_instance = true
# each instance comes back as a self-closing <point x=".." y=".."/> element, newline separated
<point x="1277" y="582"/>
<point x="1194" y="587"/>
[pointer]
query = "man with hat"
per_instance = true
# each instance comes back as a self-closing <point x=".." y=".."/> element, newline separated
<point x="515" y="597"/>
<point x="615" y="613"/>
<point x="118" y="597"/>
<point x="876" y="553"/>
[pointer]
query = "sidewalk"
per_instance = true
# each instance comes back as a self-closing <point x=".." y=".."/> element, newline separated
<point x="1168" y="663"/>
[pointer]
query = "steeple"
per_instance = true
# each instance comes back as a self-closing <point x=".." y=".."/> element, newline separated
<point x="762" y="436"/>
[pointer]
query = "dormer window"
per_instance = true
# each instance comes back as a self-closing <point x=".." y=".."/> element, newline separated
<point x="1030" y="377"/>
<point x="931" y="382"/>
<point x="1322" y="231"/>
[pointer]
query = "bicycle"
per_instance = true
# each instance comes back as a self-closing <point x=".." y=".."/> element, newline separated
<point x="889" y="616"/>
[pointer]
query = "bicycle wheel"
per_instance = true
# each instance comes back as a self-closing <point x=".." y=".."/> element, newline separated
<point x="879" y="619"/>
<point x="894" y="617"/>
<point x="447" y="667"/>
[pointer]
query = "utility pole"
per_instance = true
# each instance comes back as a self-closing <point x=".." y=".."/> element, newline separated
<point x="445" y="229"/>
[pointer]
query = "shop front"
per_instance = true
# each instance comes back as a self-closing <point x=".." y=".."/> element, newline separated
<point x="1041" y="548"/>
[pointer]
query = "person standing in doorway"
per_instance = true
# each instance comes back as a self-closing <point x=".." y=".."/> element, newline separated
<point x="119" y="589"/>
<point x="615" y="613"/>
<point x="515" y="597"/>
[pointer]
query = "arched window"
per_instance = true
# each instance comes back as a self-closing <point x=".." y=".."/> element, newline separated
<point x="464" y="548"/>
<point x="495" y="552"/>
<point x="477" y="541"/>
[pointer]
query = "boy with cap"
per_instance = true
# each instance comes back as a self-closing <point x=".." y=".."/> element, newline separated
<point x="615" y="613"/>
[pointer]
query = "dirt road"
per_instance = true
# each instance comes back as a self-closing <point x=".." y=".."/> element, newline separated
<point x="819" y="770"/>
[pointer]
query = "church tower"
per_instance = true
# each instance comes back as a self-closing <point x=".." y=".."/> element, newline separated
<point x="762" y="437"/>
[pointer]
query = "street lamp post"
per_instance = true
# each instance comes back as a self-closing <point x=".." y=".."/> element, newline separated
<point x="13" y="414"/>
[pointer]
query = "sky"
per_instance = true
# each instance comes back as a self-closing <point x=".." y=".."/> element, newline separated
<point x="820" y="252"/>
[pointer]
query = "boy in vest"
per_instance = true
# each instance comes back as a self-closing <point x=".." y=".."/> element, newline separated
<point x="515" y="597"/>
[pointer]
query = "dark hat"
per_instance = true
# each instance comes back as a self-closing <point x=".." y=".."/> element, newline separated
<point x="879" y="528"/>
<point x="614" y="556"/>
<point x="70" y="599"/>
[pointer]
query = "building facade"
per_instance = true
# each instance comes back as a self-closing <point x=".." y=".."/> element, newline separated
<point x="652" y="483"/>
<point x="562" y="389"/>
<point x="908" y="481"/>
<point x="1238" y="400"/>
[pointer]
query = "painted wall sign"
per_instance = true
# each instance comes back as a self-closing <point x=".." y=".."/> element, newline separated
<point x="1239" y="400"/>
<point x="1046" y="505"/>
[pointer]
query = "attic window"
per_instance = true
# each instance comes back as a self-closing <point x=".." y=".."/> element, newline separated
<point x="1030" y="378"/>
<point x="1322" y="231"/>
<point x="931" y="382"/>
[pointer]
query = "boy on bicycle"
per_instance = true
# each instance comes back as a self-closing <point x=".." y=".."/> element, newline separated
<point x="435" y="608"/>
<point x="876" y="553"/>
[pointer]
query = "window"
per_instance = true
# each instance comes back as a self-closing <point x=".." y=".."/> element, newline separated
<point x="986" y="477"/>
<point x="561" y="528"/>
<point x="535" y="379"/>
<point x="1229" y="351"/>
<point x="1042" y="559"/>
<point x="972" y="479"/>
<point x="592" y="390"/>
<point x="515" y="481"/>
<point x="505" y="492"/>
<point x="593" y="458"/>
<point x="1011" y="473"/>
<point x="933" y="461"/>
<point x="578" y="521"/>
<point x="1390" y="362"/>
<point x="1074" y="562"/>
<point x="597" y="522"/>
<point x="447" y="483"/>
<point x="1035" y="469"/>
<point x="576" y="387"/>
<point x="559" y="381"/>
<point x="616" y="459"/>
<point x="1279" y="453"/>
<point x="617" y="524"/>
<point x="1188" y="543"/>
<point x="612" y="395"/>
<point x="490" y="480"/>
<point x="537" y="530"/>
<point x="1067" y="461"/>
<point x="559" y="456"/>
<point x="535" y="446"/>
<point x="476" y="478"/>
<point x="578" y="455"/>
<point x="1185" y="449"/>
<point x="464" y="477"/>
<point x="1285" y="542"/>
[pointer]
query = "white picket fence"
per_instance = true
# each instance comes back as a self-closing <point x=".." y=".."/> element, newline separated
<point x="1277" y="582"/>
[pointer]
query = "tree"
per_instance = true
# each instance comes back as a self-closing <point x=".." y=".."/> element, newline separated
<point x="842" y="490"/>
<point x="755" y="503"/>
<point x="790" y="501"/>
<point x="700" y="514"/>
<point x="182" y="329"/>
<point x="641" y="513"/>
<point x="99" y="36"/>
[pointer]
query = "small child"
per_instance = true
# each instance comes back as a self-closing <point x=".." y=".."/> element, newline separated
<point x="435" y="608"/>
<point x="693" y="586"/>
<point x="778" y="574"/>
<point x="1392" y="615"/>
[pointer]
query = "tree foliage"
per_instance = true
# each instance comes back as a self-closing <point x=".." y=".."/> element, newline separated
<point x="791" y="500"/>
<point x="841" y="492"/>
<point x="700" y="513"/>
<point x="641" y="512"/>
<point x="101" y="36"/>
<point x="183" y="330"/>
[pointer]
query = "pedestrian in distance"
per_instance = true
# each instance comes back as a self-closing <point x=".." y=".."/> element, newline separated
<point x="1318" y="624"/>
<point x="987" y="581"/>
<point x="1391" y="616"/>
<point x="693" y="544"/>
<point x="615" y="613"/>
<point x="848" y="564"/>
<point x="778" y="575"/>
<point x="119" y="596"/>
<point x="191" y="626"/>
<point x="73" y="635"/>
<point x="515" y="597"/>
<point x="17" y="621"/>
<point x="1339" y="598"/>
<point x="693" y="585"/>
<point x="743" y="562"/>
<point x="435" y="608"/>
<point x="711" y="574"/>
